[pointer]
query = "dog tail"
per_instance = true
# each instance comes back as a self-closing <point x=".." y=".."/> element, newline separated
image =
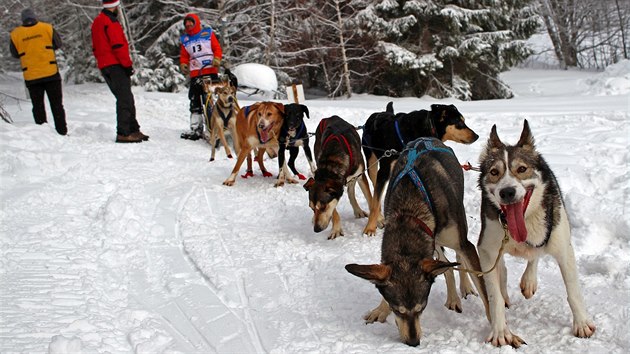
<point x="390" y="108"/>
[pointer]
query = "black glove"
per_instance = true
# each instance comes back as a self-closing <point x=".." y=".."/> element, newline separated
<point x="129" y="71"/>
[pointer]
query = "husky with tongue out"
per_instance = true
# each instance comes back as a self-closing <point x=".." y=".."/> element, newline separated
<point x="521" y="201"/>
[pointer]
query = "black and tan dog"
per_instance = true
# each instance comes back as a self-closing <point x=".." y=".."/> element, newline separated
<point x="223" y="118"/>
<point x="386" y="131"/>
<point x="339" y="162"/>
<point x="293" y="135"/>
<point x="257" y="127"/>
<point x="424" y="210"/>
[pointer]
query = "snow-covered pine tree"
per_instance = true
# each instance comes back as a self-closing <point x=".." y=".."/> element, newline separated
<point x="449" y="48"/>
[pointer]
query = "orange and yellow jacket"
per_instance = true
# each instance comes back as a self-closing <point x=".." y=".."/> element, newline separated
<point x="34" y="44"/>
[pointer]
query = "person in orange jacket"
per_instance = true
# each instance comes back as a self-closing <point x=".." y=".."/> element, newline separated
<point x="111" y="50"/>
<point x="34" y="43"/>
<point x="200" y="55"/>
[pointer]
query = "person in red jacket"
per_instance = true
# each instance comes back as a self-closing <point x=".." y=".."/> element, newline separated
<point x="200" y="55"/>
<point x="34" y="43"/>
<point x="111" y="50"/>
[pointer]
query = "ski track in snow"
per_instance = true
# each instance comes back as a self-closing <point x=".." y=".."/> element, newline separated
<point x="139" y="248"/>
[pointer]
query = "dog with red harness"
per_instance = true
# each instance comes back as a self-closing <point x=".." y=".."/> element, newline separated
<point x="339" y="163"/>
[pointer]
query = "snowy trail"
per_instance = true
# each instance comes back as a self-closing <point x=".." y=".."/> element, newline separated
<point x="140" y="248"/>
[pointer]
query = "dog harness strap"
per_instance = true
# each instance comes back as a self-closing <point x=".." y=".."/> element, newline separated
<point x="409" y="169"/>
<point x="400" y="137"/>
<point x="337" y="137"/>
<point x="225" y="118"/>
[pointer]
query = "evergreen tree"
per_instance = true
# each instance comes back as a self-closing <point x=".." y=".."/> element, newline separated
<point x="449" y="48"/>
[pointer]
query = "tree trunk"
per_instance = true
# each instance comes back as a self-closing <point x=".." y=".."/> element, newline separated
<point x="344" y="58"/>
<point x="622" y="28"/>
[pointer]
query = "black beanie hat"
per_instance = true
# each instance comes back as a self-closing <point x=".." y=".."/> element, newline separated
<point x="28" y="14"/>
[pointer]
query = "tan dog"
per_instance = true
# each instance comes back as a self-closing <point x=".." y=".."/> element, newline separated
<point x="224" y="117"/>
<point x="257" y="127"/>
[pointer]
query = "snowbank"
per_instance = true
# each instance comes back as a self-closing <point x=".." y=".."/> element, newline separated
<point x="615" y="80"/>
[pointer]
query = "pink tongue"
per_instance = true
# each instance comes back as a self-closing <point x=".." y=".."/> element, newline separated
<point x="264" y="135"/>
<point x="516" y="223"/>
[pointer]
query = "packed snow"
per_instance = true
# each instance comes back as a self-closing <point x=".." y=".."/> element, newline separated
<point x="113" y="248"/>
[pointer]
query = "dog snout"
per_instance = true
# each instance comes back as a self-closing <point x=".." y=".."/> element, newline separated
<point x="230" y="99"/>
<point x="261" y="125"/>
<point x="413" y="342"/>
<point x="507" y="194"/>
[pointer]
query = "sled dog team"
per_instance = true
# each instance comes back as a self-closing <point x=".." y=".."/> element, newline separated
<point x="522" y="210"/>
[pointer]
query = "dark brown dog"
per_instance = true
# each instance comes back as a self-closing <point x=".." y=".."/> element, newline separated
<point x="339" y="162"/>
<point x="257" y="127"/>
<point x="424" y="210"/>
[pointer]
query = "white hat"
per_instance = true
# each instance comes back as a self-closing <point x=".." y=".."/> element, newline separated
<point x="108" y="4"/>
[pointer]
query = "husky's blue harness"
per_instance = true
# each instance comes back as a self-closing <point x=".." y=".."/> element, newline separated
<point x="414" y="150"/>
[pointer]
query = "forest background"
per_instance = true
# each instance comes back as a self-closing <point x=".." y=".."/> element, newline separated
<point x="441" y="48"/>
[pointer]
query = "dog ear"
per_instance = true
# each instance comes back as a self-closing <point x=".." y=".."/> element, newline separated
<point x="305" y="110"/>
<point x="376" y="273"/>
<point x="493" y="140"/>
<point x="435" y="267"/>
<point x="280" y="107"/>
<point x="309" y="184"/>
<point x="216" y="90"/>
<point x="527" y="139"/>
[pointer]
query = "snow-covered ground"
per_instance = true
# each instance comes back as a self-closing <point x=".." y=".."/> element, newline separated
<point x="113" y="248"/>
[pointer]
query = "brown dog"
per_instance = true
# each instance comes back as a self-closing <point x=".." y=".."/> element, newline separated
<point x="224" y="117"/>
<point x="257" y="127"/>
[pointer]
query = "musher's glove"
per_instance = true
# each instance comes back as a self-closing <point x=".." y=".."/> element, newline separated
<point x="216" y="62"/>
<point x="184" y="69"/>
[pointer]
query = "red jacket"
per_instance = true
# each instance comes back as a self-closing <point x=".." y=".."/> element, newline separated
<point x="184" y="55"/>
<point x="109" y="44"/>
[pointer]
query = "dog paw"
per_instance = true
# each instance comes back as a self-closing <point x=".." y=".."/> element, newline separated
<point x="247" y="174"/>
<point x="228" y="183"/>
<point x="465" y="286"/>
<point x="360" y="214"/>
<point x="376" y="315"/>
<point x="583" y="329"/>
<point x="335" y="234"/>
<point x="528" y="288"/>
<point x="267" y="174"/>
<point x="369" y="231"/>
<point x="211" y="159"/>
<point x="505" y="337"/>
<point x="230" y="156"/>
<point x="454" y="306"/>
<point x="279" y="184"/>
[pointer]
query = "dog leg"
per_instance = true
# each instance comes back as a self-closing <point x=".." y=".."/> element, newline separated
<point x="376" y="218"/>
<point x="293" y="153"/>
<point x="365" y="189"/>
<point x="453" y="302"/>
<point x="379" y="314"/>
<point x="455" y="237"/>
<point x="583" y="327"/>
<point x="213" y="140"/>
<point x="336" y="226"/>
<point x="261" y="164"/>
<point x="358" y="212"/>
<point x="309" y="157"/>
<point x="244" y="154"/>
<point x="223" y="141"/>
<point x="502" y="269"/>
<point x="465" y="286"/>
<point x="529" y="280"/>
<point x="282" y="166"/>
<point x="489" y="246"/>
